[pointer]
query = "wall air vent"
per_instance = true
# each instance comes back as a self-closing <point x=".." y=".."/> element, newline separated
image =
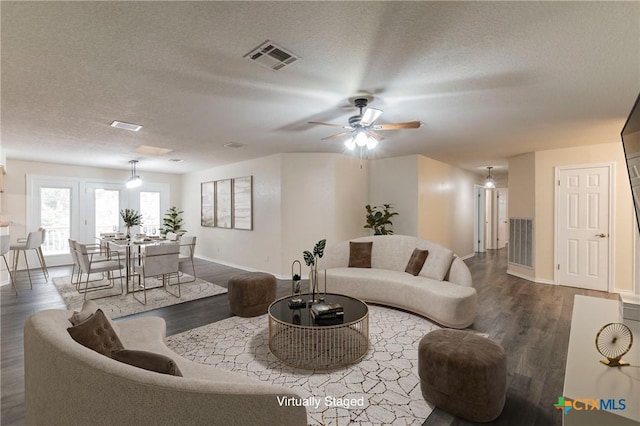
<point x="272" y="56"/>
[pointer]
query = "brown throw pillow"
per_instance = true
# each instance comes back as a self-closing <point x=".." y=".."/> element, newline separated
<point x="416" y="261"/>
<point x="96" y="333"/>
<point x="149" y="361"/>
<point x="360" y="254"/>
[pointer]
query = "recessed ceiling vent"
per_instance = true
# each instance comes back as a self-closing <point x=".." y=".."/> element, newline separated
<point x="272" y="56"/>
<point x="126" y="126"/>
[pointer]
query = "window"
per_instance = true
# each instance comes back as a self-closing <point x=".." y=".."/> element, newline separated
<point x="55" y="217"/>
<point x="81" y="209"/>
<point x="150" y="210"/>
<point x="107" y="210"/>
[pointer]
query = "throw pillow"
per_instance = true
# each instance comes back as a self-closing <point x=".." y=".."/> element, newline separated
<point x="96" y="333"/>
<point x="416" y="261"/>
<point x="360" y="254"/>
<point x="149" y="361"/>
<point x="88" y="308"/>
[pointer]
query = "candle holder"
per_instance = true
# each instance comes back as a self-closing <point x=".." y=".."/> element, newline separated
<point x="296" y="301"/>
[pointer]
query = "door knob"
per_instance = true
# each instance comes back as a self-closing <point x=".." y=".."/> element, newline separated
<point x="602" y="235"/>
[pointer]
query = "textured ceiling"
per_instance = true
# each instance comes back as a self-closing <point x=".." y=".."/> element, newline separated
<point x="488" y="80"/>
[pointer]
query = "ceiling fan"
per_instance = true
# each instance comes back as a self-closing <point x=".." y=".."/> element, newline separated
<point x="361" y="129"/>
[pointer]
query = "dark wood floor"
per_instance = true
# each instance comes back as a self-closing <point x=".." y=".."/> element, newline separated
<point x="531" y="321"/>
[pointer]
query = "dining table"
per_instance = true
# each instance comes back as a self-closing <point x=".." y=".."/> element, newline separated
<point x="131" y="248"/>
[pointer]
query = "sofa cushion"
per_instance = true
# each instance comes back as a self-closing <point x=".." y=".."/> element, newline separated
<point x="97" y="334"/>
<point x="360" y="254"/>
<point x="438" y="262"/>
<point x="416" y="261"/>
<point x="148" y="360"/>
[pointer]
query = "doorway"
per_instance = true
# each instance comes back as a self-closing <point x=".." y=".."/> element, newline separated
<point x="491" y="224"/>
<point x="583" y="218"/>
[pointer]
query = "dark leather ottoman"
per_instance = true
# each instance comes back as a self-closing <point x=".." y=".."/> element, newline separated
<point x="463" y="373"/>
<point x="251" y="293"/>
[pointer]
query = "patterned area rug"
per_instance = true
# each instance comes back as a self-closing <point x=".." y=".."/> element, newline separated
<point x="115" y="305"/>
<point x="383" y="388"/>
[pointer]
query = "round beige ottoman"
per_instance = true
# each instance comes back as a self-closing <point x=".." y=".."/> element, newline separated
<point x="251" y="293"/>
<point x="463" y="373"/>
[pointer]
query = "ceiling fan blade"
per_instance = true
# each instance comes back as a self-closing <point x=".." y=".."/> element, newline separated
<point x="327" y="124"/>
<point x="370" y="115"/>
<point x="396" y="126"/>
<point x="376" y="135"/>
<point x="337" y="135"/>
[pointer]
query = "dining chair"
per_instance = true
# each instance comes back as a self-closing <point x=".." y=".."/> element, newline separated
<point x="5" y="244"/>
<point x="187" y="251"/>
<point x="157" y="260"/>
<point x="32" y="242"/>
<point x="76" y="271"/>
<point x="91" y="262"/>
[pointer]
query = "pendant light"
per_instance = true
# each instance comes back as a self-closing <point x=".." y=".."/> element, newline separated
<point x="489" y="182"/>
<point x="134" y="181"/>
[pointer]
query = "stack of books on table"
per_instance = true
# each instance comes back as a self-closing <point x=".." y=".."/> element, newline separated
<point x="327" y="313"/>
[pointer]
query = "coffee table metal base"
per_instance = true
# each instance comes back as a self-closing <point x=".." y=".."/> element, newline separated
<point x="319" y="347"/>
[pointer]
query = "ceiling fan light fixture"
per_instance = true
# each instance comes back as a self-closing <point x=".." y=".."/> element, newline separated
<point x="350" y="144"/>
<point x="361" y="138"/>
<point x="372" y="143"/>
<point x="134" y="181"/>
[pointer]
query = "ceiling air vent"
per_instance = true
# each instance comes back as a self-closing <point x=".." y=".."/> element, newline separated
<point x="272" y="56"/>
<point x="126" y="126"/>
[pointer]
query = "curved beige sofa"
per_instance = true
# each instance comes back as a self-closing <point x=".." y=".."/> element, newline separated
<point x="442" y="291"/>
<point x="69" y="384"/>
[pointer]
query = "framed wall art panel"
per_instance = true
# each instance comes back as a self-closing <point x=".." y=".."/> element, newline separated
<point x="223" y="203"/>
<point x="243" y="203"/>
<point x="207" y="204"/>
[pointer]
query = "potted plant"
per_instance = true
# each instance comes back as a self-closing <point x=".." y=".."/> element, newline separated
<point x="172" y="222"/>
<point x="311" y="259"/>
<point x="378" y="217"/>
<point x="130" y="218"/>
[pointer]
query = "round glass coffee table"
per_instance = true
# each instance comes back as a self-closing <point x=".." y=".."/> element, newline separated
<point x="296" y="339"/>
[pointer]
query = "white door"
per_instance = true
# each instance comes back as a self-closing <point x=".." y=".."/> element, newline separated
<point x="583" y="226"/>
<point x="479" y="214"/>
<point x="490" y="228"/>
<point x="503" y="221"/>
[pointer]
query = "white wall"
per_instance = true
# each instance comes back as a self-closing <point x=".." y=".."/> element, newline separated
<point x="259" y="249"/>
<point x="434" y="199"/>
<point x="298" y="199"/>
<point x="395" y="181"/>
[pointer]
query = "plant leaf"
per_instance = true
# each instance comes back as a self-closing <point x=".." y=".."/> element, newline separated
<point x="308" y="258"/>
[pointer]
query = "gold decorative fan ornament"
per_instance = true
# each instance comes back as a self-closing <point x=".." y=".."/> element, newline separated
<point x="613" y="341"/>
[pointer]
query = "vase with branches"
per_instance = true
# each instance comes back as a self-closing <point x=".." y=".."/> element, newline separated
<point x="311" y="260"/>
<point x="379" y="217"/>
<point x="130" y="218"/>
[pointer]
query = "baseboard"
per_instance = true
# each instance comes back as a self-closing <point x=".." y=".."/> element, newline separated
<point x="530" y="278"/>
